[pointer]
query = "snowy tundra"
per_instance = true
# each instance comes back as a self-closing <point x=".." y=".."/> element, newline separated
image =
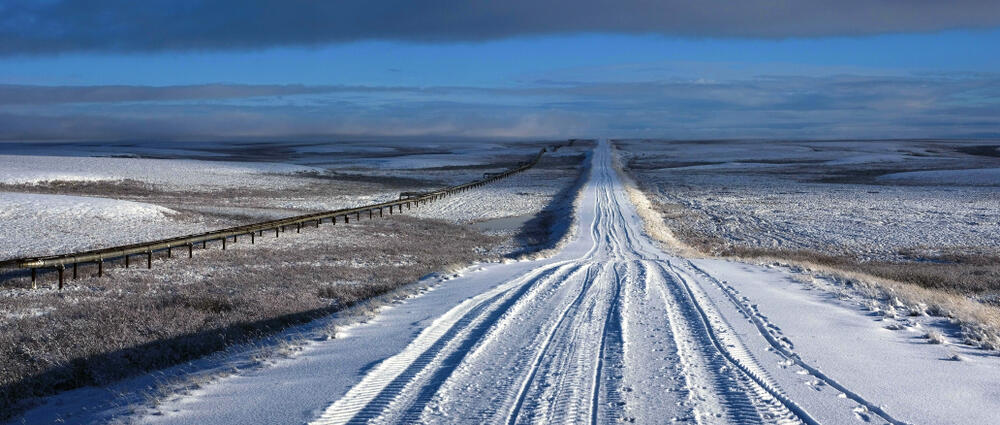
<point x="610" y="328"/>
<point x="56" y="198"/>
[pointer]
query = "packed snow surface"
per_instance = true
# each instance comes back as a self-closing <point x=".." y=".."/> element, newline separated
<point x="610" y="329"/>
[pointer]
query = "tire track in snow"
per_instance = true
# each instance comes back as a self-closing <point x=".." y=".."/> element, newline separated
<point x="559" y="344"/>
<point x="477" y="334"/>
<point x="780" y="348"/>
<point x="374" y="393"/>
<point x="536" y="364"/>
<point x="760" y="398"/>
<point x="655" y="389"/>
<point x="610" y="363"/>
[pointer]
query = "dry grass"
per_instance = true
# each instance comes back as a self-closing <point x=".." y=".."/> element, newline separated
<point x="101" y="330"/>
<point x="971" y="276"/>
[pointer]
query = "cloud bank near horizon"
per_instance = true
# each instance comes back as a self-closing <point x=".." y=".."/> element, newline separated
<point x="54" y="26"/>
<point x="841" y="106"/>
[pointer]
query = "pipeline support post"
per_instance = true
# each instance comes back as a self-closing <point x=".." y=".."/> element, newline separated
<point x="61" y="269"/>
<point x="149" y="259"/>
<point x="100" y="267"/>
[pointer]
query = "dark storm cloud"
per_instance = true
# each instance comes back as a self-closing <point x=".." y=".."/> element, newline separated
<point x="40" y="26"/>
<point x="840" y="106"/>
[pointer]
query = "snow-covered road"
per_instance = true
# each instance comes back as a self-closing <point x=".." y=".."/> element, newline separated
<point x="610" y="329"/>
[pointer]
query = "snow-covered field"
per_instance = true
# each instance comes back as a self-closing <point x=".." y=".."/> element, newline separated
<point x="44" y="224"/>
<point x="74" y="201"/>
<point x="170" y="174"/>
<point x="610" y="329"/>
<point x="52" y="204"/>
<point x="870" y="199"/>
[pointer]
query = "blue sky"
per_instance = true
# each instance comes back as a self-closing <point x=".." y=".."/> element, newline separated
<point x="524" y="81"/>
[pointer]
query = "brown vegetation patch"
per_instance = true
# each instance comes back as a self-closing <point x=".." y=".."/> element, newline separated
<point x="134" y="320"/>
<point x="106" y="188"/>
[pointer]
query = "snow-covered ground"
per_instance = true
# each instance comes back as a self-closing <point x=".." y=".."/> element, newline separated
<point x="869" y="199"/>
<point x="523" y="194"/>
<point x="609" y="329"/>
<point x="172" y="174"/>
<point x="181" y="196"/>
<point x="35" y="224"/>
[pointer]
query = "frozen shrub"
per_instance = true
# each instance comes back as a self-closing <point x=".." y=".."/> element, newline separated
<point x="934" y="337"/>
